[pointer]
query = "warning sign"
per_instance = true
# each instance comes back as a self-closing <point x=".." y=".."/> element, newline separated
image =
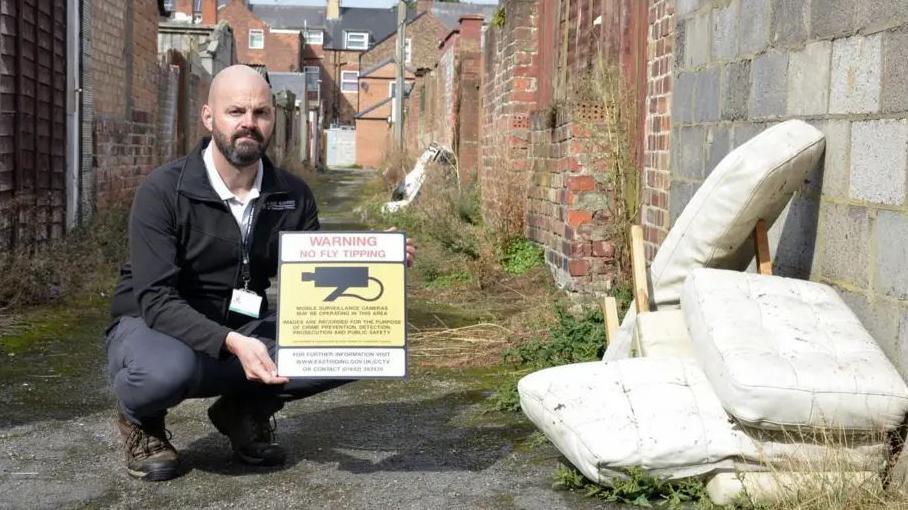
<point x="341" y="304"/>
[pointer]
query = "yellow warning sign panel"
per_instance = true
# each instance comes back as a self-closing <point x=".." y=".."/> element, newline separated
<point x="345" y="304"/>
<point x="342" y="304"/>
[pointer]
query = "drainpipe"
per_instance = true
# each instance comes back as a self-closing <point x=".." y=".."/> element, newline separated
<point x="73" y="112"/>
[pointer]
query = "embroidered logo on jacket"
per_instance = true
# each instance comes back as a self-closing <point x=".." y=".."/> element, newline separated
<point x="283" y="205"/>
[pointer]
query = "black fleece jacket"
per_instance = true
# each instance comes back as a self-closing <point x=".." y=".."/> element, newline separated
<point x="185" y="250"/>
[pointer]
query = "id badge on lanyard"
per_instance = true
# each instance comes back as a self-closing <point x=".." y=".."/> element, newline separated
<point x="244" y="301"/>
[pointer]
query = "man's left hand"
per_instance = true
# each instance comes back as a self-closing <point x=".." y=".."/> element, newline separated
<point x="411" y="248"/>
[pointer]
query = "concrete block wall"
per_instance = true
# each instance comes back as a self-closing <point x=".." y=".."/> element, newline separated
<point x="743" y="65"/>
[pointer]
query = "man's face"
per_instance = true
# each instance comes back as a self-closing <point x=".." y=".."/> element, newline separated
<point x="242" y="120"/>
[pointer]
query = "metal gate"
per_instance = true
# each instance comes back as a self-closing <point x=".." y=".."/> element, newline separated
<point x="32" y="121"/>
<point x="341" y="146"/>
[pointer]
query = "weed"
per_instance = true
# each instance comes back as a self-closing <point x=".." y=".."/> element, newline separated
<point x="506" y="397"/>
<point x="498" y="18"/>
<point x="636" y="489"/>
<point x="521" y="255"/>
<point x="572" y="339"/>
<point x="444" y="281"/>
<point x="85" y="262"/>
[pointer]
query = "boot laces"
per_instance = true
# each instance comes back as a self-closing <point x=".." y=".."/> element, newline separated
<point x="148" y="442"/>
<point x="264" y="430"/>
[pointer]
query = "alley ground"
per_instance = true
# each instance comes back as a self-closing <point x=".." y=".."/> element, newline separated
<point x="426" y="442"/>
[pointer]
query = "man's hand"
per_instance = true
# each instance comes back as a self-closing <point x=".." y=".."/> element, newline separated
<point x="254" y="357"/>
<point x="410" y="249"/>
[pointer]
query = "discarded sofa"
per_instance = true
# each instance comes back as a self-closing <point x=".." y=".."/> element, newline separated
<point x="407" y="190"/>
<point x="749" y="372"/>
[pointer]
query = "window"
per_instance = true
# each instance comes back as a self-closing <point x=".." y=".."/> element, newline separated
<point x="256" y="39"/>
<point x="312" y="74"/>
<point x="356" y="40"/>
<point x="350" y="81"/>
<point x="408" y="53"/>
<point x="314" y="37"/>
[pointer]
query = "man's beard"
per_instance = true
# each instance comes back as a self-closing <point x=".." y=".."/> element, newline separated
<point x="240" y="154"/>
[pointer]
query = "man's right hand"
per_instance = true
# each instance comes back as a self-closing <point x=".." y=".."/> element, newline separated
<point x="254" y="357"/>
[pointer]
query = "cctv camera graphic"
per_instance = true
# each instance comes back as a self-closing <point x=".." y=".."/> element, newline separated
<point x="341" y="279"/>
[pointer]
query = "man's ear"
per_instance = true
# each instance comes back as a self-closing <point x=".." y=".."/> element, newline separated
<point x="207" y="117"/>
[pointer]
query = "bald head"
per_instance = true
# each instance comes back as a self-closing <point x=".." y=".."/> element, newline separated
<point x="240" y="115"/>
<point x="236" y="79"/>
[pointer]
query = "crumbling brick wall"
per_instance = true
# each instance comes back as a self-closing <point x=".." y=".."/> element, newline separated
<point x="543" y="150"/>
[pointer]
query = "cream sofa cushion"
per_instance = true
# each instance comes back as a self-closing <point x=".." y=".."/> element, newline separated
<point x="755" y="181"/>
<point x="784" y="353"/>
<point x="662" y="334"/>
<point x="659" y="414"/>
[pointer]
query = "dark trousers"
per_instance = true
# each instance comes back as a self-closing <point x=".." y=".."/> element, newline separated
<point x="151" y="372"/>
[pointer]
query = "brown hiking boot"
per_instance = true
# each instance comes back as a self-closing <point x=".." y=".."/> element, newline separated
<point x="251" y="433"/>
<point x="149" y="454"/>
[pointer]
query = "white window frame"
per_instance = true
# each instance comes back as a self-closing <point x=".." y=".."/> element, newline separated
<point x="345" y="80"/>
<point x="261" y="34"/>
<point x="312" y="70"/>
<point x="408" y="50"/>
<point x="309" y="34"/>
<point x="350" y="36"/>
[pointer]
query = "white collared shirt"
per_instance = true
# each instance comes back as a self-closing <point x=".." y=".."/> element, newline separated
<point x="241" y="209"/>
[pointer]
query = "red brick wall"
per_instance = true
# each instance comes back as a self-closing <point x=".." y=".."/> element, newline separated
<point x="338" y="107"/>
<point x="657" y="140"/>
<point x="469" y="78"/>
<point x="542" y="150"/>
<point x="125" y="74"/>
<point x="569" y="197"/>
<point x="510" y="68"/>
<point x="281" y="52"/>
<point x="373" y="137"/>
<point x="424" y="33"/>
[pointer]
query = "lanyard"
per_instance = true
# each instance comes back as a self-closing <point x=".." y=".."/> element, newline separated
<point x="247" y="245"/>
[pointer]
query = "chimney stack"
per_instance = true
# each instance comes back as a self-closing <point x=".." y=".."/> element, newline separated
<point x="183" y="7"/>
<point x="333" y="10"/>
<point x="209" y="12"/>
<point x="423" y="6"/>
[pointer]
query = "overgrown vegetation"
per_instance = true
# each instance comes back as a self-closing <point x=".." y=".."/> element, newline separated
<point x="84" y="263"/>
<point x="828" y="479"/>
<point x="494" y="275"/>
<point x="637" y="489"/>
<point x="456" y="247"/>
<point x="573" y="338"/>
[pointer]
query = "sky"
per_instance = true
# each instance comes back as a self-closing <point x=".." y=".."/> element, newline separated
<point x="352" y="3"/>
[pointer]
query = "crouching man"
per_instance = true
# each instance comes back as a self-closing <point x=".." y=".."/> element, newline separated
<point x="203" y="230"/>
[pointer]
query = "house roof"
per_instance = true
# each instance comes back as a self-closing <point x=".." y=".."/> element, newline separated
<point x="379" y="23"/>
<point x="290" y="16"/>
<point x="450" y="13"/>
<point x="294" y="82"/>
